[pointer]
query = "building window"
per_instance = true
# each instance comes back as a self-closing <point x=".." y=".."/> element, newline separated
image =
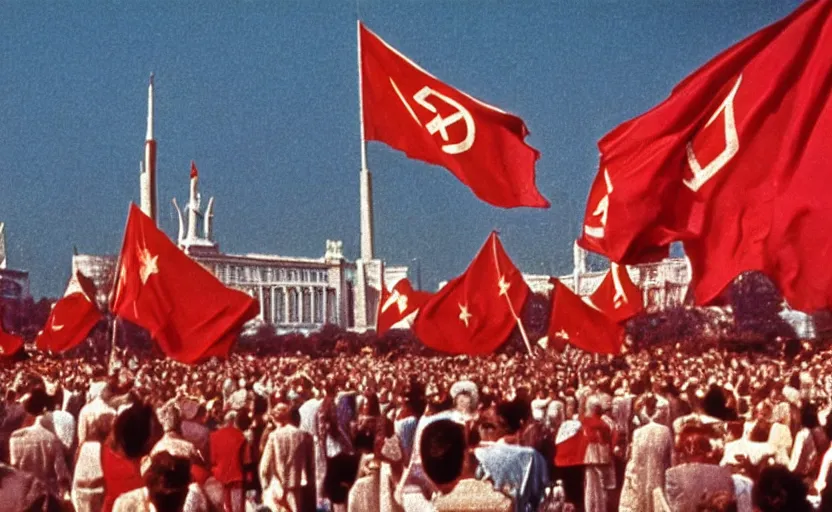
<point x="280" y="305"/>
<point x="293" y="275"/>
<point x="314" y="276"/>
<point x="268" y="275"/>
<point x="324" y="276"/>
<point x="294" y="306"/>
<point x="331" y="307"/>
<point x="306" y="310"/>
<point x="319" y="305"/>
<point x="281" y="274"/>
<point x="304" y="276"/>
<point x="266" y="307"/>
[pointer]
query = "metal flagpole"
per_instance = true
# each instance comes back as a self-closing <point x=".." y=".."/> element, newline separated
<point x="508" y="300"/>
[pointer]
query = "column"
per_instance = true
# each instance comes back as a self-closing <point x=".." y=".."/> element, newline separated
<point x="260" y="298"/>
<point x="286" y="318"/>
<point x="312" y="304"/>
<point x="324" y="307"/>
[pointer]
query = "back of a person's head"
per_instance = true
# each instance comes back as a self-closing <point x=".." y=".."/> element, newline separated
<point x="167" y="481"/>
<point x="721" y="501"/>
<point x="713" y="403"/>
<point x="809" y="416"/>
<point x="37" y="402"/>
<point x="443" y="448"/>
<point x="511" y="414"/>
<point x="171" y="418"/>
<point x="779" y="490"/>
<point x="132" y="430"/>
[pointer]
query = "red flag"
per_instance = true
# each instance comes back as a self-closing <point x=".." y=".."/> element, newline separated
<point x="398" y="304"/>
<point x="72" y="317"/>
<point x="734" y="163"/>
<point x="190" y="313"/>
<point x="194" y="171"/>
<point x="476" y="312"/>
<point x="617" y="296"/>
<point x="576" y="322"/>
<point x="9" y="344"/>
<point x="410" y="110"/>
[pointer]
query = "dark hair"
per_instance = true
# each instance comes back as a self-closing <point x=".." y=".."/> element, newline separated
<point x="779" y="490"/>
<point x="720" y="501"/>
<point x="133" y="429"/>
<point x="167" y="481"/>
<point x="713" y="403"/>
<point x="809" y="416"/>
<point x="512" y="415"/>
<point x="443" y="448"/>
<point x="761" y="432"/>
<point x="37" y="402"/>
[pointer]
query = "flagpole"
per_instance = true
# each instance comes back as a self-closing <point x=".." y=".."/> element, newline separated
<point x="113" y="344"/>
<point x="510" y="305"/>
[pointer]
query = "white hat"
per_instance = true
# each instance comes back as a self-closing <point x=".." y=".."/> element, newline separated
<point x="465" y="386"/>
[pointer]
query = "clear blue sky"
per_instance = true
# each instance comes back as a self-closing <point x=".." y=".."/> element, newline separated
<point x="263" y="96"/>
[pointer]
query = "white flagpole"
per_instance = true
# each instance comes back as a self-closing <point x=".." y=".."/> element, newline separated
<point x="361" y="98"/>
<point x="510" y="305"/>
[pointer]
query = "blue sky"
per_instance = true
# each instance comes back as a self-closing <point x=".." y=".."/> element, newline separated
<point x="263" y="96"/>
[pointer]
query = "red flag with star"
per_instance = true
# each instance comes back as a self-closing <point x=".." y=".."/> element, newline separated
<point x="188" y="311"/>
<point x="398" y="304"/>
<point x="735" y="164"/>
<point x="72" y="317"/>
<point x="576" y="322"/>
<point x="617" y="296"/>
<point x="475" y="312"/>
<point x="410" y="110"/>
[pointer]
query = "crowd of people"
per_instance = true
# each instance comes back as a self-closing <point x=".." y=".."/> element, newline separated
<point x="653" y="430"/>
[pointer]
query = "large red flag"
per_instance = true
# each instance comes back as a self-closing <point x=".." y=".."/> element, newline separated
<point x="410" y="110"/>
<point x="190" y="313"/>
<point x="72" y="317"/>
<point x="617" y="296"/>
<point x="9" y="344"/>
<point x="476" y="312"/>
<point x="735" y="164"/>
<point x="398" y="304"/>
<point x="575" y="321"/>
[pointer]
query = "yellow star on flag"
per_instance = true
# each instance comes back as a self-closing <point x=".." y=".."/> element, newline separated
<point x="504" y="286"/>
<point x="464" y="315"/>
<point x="149" y="265"/>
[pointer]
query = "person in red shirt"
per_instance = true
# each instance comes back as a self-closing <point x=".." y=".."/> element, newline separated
<point x="131" y="439"/>
<point x="228" y="449"/>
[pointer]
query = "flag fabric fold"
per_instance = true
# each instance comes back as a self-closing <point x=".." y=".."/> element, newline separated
<point x="617" y="296"/>
<point x="477" y="311"/>
<point x="398" y="304"/>
<point x="575" y="321"/>
<point x="72" y="317"/>
<point x="734" y="164"/>
<point x="10" y="344"/>
<point x="410" y="110"/>
<point x="188" y="311"/>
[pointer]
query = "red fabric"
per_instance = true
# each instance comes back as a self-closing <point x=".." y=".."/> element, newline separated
<point x="194" y="171"/>
<point x="471" y="314"/>
<point x="760" y="117"/>
<point x="481" y="145"/>
<point x="617" y="296"/>
<point x="398" y="304"/>
<point x="120" y="475"/>
<point x="572" y="451"/>
<point x="596" y="430"/>
<point x="187" y="310"/>
<point x="575" y="322"/>
<point x="227" y="446"/>
<point x="9" y="343"/>
<point x="72" y="317"/>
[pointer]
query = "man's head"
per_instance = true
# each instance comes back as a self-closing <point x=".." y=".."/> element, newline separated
<point x="167" y="481"/>
<point x="444" y="449"/>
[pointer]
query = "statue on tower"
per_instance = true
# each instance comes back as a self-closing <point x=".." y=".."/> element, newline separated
<point x="188" y="238"/>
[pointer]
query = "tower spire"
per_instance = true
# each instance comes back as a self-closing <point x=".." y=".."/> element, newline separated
<point x="148" y="174"/>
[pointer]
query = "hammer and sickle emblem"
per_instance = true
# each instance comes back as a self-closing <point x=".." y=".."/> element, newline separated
<point x="701" y="174"/>
<point x="601" y="210"/>
<point x="440" y="124"/>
